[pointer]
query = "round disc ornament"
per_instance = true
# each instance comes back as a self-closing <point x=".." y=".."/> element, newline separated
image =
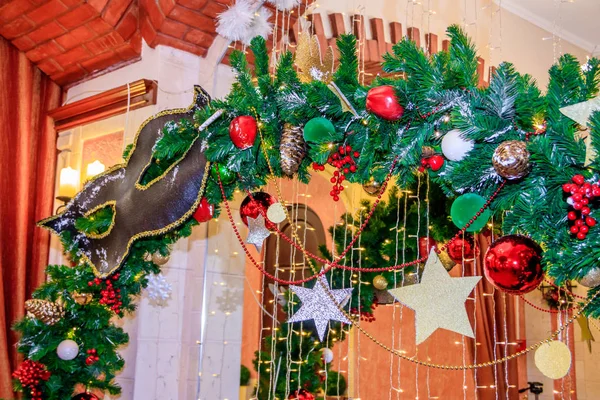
<point x="553" y="359"/>
<point x="511" y="159"/>
<point x="276" y="213"/>
<point x="513" y="264"/>
<point x="465" y="207"/>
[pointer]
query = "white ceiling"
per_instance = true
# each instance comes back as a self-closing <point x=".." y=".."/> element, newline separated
<point x="573" y="20"/>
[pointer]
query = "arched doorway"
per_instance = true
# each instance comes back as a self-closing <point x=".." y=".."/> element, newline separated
<point x="285" y="261"/>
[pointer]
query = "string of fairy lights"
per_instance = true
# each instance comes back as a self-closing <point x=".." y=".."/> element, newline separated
<point x="294" y="222"/>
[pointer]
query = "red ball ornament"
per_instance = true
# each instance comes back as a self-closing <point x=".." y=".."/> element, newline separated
<point x="425" y="246"/>
<point x="242" y="131"/>
<point x="463" y="248"/>
<point x="436" y="162"/>
<point x="301" y="394"/>
<point x="512" y="264"/>
<point x="205" y="211"/>
<point x="84" y="396"/>
<point x="256" y="205"/>
<point x="382" y="101"/>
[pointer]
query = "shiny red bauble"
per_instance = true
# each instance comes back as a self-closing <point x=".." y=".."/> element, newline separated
<point x="382" y="101"/>
<point x="463" y="248"/>
<point x="301" y="394"/>
<point x="242" y="131"/>
<point x="84" y="396"/>
<point x="425" y="246"/>
<point x="256" y="205"/>
<point x="205" y="211"/>
<point x="513" y="264"/>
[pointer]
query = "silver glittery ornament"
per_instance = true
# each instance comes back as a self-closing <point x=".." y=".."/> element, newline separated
<point x="318" y="305"/>
<point x="257" y="232"/>
<point x="591" y="279"/>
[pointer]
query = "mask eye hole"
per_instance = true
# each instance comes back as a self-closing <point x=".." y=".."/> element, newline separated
<point x="98" y="222"/>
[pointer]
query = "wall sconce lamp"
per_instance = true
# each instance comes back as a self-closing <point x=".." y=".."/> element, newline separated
<point x="94" y="169"/>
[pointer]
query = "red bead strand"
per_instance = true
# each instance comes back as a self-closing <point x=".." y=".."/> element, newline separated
<point x="334" y="264"/>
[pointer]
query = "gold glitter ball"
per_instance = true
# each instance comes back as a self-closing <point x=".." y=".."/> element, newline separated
<point x="553" y="359"/>
<point x="159" y="259"/>
<point x="380" y="283"/>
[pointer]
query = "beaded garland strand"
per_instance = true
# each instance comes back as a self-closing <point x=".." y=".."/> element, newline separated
<point x="355" y="321"/>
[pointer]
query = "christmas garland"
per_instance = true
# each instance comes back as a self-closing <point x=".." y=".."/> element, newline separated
<point x="506" y="131"/>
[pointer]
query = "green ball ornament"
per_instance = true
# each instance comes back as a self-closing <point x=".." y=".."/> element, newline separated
<point x="464" y="209"/>
<point x="320" y="130"/>
<point x="227" y="176"/>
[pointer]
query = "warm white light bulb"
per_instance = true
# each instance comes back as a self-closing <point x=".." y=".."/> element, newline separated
<point x="68" y="182"/>
<point x="94" y="169"/>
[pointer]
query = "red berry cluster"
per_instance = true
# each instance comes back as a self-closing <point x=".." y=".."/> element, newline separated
<point x="582" y="193"/>
<point x="30" y="373"/>
<point x="435" y="162"/>
<point x="111" y="297"/>
<point x="345" y="162"/>
<point x="92" y="357"/>
<point x="366" y="316"/>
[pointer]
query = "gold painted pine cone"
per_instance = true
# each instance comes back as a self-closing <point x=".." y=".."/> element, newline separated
<point x="292" y="149"/>
<point x="46" y="311"/>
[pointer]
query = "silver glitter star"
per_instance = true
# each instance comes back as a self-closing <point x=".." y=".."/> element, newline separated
<point x="318" y="305"/>
<point x="257" y="232"/>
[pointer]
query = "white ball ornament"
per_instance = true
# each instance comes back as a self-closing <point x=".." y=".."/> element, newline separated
<point x="67" y="350"/>
<point x="327" y="355"/>
<point x="454" y="146"/>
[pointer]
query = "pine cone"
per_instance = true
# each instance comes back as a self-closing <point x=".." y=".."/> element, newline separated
<point x="46" y="311"/>
<point x="292" y="149"/>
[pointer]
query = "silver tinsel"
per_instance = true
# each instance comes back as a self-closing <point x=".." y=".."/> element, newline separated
<point x="591" y="279"/>
<point x="158" y="289"/>
<point x="318" y="305"/>
<point x="257" y="232"/>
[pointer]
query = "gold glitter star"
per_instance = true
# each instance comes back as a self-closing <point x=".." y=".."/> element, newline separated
<point x="581" y="113"/>
<point x="438" y="301"/>
<point x="257" y="232"/>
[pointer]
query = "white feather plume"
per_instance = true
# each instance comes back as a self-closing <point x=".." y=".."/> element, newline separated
<point x="235" y="23"/>
<point x="285" y="5"/>
<point x="260" y="25"/>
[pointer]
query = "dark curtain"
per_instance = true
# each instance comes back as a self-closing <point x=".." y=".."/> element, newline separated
<point x="27" y="170"/>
